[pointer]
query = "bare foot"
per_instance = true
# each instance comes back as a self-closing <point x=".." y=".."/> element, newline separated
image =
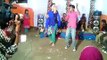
<point x="53" y="44"/>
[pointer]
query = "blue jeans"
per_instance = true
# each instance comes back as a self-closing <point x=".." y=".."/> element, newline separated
<point x="71" y="33"/>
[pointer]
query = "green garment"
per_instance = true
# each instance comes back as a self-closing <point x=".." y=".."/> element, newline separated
<point x="53" y="35"/>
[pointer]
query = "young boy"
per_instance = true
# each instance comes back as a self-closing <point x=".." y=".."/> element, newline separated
<point x="71" y="18"/>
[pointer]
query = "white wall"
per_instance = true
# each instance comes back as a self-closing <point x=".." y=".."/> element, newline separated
<point x="101" y="5"/>
<point x="40" y="6"/>
<point x="83" y="6"/>
<point x="105" y="7"/>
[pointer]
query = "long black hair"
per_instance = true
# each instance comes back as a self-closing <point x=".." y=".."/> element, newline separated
<point x="72" y="6"/>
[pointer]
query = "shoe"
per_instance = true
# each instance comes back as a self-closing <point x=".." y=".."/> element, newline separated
<point x="66" y="47"/>
<point x="74" y="49"/>
<point x="104" y="51"/>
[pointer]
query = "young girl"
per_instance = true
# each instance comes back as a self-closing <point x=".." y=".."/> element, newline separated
<point x="71" y="18"/>
<point x="26" y="21"/>
<point x="17" y="28"/>
<point x="52" y="23"/>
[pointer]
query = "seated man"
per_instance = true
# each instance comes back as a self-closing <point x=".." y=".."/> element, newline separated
<point x="104" y="43"/>
<point x="103" y="33"/>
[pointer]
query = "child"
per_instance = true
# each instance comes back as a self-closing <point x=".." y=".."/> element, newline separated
<point x="41" y="32"/>
<point x="26" y="21"/>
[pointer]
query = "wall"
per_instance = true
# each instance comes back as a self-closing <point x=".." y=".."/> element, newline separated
<point x="104" y="7"/>
<point x="39" y="7"/>
<point x="101" y="5"/>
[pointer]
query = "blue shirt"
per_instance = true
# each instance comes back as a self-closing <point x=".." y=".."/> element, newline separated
<point x="54" y="18"/>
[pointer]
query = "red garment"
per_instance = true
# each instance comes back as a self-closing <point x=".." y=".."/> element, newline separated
<point x="26" y="21"/>
<point x="7" y="33"/>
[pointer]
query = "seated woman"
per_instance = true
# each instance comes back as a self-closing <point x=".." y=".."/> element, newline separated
<point x="63" y="23"/>
<point x="81" y="25"/>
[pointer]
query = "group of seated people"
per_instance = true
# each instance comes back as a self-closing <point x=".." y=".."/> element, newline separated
<point x="9" y="36"/>
<point x="101" y="38"/>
